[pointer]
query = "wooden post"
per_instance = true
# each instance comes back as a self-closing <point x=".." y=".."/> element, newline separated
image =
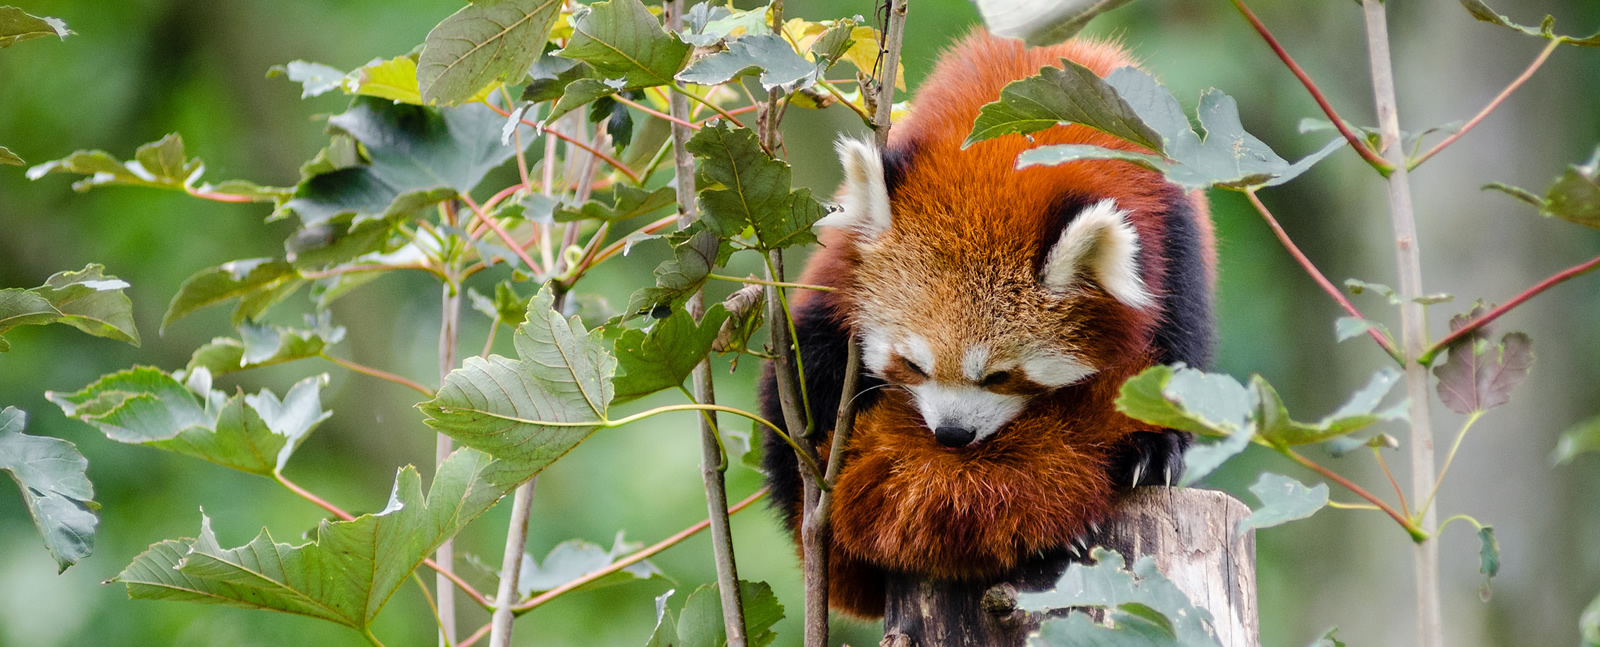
<point x="1190" y="533"/>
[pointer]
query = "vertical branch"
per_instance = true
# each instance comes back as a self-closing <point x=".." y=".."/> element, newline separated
<point x="449" y="320"/>
<point x="712" y="460"/>
<point x="1413" y="321"/>
<point x="894" y="33"/>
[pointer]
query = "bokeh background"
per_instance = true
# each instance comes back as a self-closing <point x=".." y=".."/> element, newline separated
<point x="139" y="69"/>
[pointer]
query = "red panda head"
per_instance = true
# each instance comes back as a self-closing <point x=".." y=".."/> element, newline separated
<point x="977" y="301"/>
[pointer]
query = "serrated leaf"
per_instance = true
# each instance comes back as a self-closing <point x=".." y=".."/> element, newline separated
<point x="1069" y="94"/>
<point x="701" y="623"/>
<point x="251" y="433"/>
<point x="1283" y="499"/>
<point x="627" y="202"/>
<point x="1275" y="426"/>
<point x="1107" y="585"/>
<point x="1480" y="374"/>
<point x="1482" y="12"/>
<point x="88" y="299"/>
<point x="57" y="493"/>
<point x="347" y="573"/>
<point x="779" y="65"/>
<point x="482" y="44"/>
<point x="575" y="558"/>
<point x="17" y="25"/>
<point x="159" y="164"/>
<point x="621" y="39"/>
<point x="713" y="24"/>
<point x="1582" y="438"/>
<point x="533" y="410"/>
<point x="691" y="264"/>
<point x="257" y="282"/>
<point x="665" y="355"/>
<point x="1042" y="23"/>
<point x="262" y="345"/>
<point x="740" y="186"/>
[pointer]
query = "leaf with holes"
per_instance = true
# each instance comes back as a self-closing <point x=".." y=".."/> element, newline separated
<point x="1139" y="603"/>
<point x="1276" y="427"/>
<point x="621" y="39"/>
<point x="532" y="410"/>
<point x="57" y="493"/>
<point x="481" y="44"/>
<point x="1283" y="499"/>
<point x="88" y="299"/>
<point x="1480" y="374"/>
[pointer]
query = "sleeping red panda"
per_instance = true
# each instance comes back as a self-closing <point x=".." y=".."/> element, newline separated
<point x="999" y="311"/>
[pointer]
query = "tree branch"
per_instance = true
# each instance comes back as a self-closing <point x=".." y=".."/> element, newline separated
<point x="1495" y="103"/>
<point x="382" y="375"/>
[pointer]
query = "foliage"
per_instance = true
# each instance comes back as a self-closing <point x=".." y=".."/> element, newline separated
<point x="59" y="497"/>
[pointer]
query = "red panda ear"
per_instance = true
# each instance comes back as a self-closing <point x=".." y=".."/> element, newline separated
<point x="1099" y="242"/>
<point x="865" y="195"/>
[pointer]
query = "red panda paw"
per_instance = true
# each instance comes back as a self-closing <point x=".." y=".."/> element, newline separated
<point x="1150" y="458"/>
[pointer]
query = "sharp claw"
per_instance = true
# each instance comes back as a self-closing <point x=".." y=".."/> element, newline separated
<point x="1082" y="544"/>
<point x="1138" y="471"/>
<point x="1094" y="527"/>
<point x="1168" y="473"/>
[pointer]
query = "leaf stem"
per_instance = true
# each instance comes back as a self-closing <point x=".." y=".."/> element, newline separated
<point x="1427" y="357"/>
<point x="654" y="113"/>
<point x="504" y="235"/>
<point x="1317" y="275"/>
<point x="1377" y="454"/>
<point x="611" y="250"/>
<point x="353" y="269"/>
<point x="1352" y="506"/>
<point x="697" y="99"/>
<point x="837" y="95"/>
<point x="1355" y="140"/>
<point x="1451" y="457"/>
<point x="736" y="111"/>
<point x="382" y="375"/>
<point x="1494" y="103"/>
<point x="809" y="463"/>
<point x="366" y="632"/>
<point x="1460" y="517"/>
<point x="570" y="140"/>
<point x="1416" y="533"/>
<point x="428" y="597"/>
<point x="756" y="281"/>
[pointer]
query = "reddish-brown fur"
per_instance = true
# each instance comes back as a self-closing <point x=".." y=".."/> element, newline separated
<point x="904" y="502"/>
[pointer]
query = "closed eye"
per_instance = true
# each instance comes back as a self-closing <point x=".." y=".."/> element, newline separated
<point x="995" y="378"/>
<point x="915" y="370"/>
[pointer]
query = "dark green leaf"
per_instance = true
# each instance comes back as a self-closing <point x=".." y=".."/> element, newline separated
<point x="1275" y="426"/>
<point x="627" y="202"/>
<point x="622" y="40"/>
<point x="257" y="282"/>
<point x="345" y="575"/>
<point x="701" y="625"/>
<point x="1283" y="499"/>
<point x="1582" y="438"/>
<point x="265" y="345"/>
<point x="581" y="92"/>
<point x="575" y="558"/>
<point x="741" y="186"/>
<point x="481" y="44"/>
<point x="1070" y="94"/>
<point x="780" y="66"/>
<point x="1107" y="585"/>
<point x="676" y="279"/>
<point x="1042" y="23"/>
<point x="1480" y="374"/>
<point x="59" y="497"/>
<point x="531" y="411"/>
<point x="666" y="631"/>
<point x="17" y="25"/>
<point x="88" y="300"/>
<point x="663" y="356"/>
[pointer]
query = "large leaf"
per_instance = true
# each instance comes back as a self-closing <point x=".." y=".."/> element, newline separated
<point x="258" y="283"/>
<point x="691" y="264"/>
<point x="1546" y="29"/>
<point x="1211" y="404"/>
<point x="251" y="433"/>
<point x="88" y="299"/>
<point x="665" y="355"/>
<point x="1140" y="603"/>
<point x="480" y="44"/>
<point x="162" y="164"/>
<point x="1283" y="499"/>
<point x="1042" y="23"/>
<point x="779" y="65"/>
<point x="1361" y="411"/>
<point x="701" y="624"/>
<point x="532" y="410"/>
<point x="621" y="39"/>
<point x="59" y="497"/>
<point x="1573" y="197"/>
<point x="347" y="573"/>
<point x="627" y="202"/>
<point x="17" y="25"/>
<point x="575" y="558"/>
<point x="1480" y="374"/>
<point x="741" y="186"/>
<point x="261" y="345"/>
<point x="1068" y="94"/>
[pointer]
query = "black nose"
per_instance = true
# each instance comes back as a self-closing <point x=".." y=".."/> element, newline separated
<point x="950" y="436"/>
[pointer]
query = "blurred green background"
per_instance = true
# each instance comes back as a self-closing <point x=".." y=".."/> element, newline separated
<point x="139" y="69"/>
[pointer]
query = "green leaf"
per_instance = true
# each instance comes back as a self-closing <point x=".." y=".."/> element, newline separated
<point x="1042" y="23"/>
<point x="664" y="356"/>
<point x="160" y="164"/>
<point x="1150" y="608"/>
<point x="250" y="433"/>
<point x="706" y="25"/>
<point x="1358" y="286"/>
<point x="1203" y="458"/>
<point x="315" y="79"/>
<point x="582" y="92"/>
<point x="1488" y="554"/>
<point x="1589" y="624"/>
<point x="1329" y="639"/>
<point x="780" y="66"/>
<point x="1346" y="328"/>
<point x="482" y="44"/>
<point x="1209" y="404"/>
<point x="575" y="558"/>
<point x="1482" y="12"/>
<point x="1479" y="374"/>
<point x="1277" y="428"/>
<point x="701" y="623"/>
<point x="676" y="279"/>
<point x="1069" y="94"/>
<point x="533" y="410"/>
<point x="88" y="299"/>
<point x="257" y="283"/>
<point x="8" y="157"/>
<point x="1573" y="197"/>
<point x="741" y="186"/>
<point x="622" y="40"/>
<point x="1582" y="438"/>
<point x="627" y="202"/>
<point x="59" y="497"/>
<point x="1283" y="499"/>
<point x="266" y="345"/>
<point x="746" y="312"/>
<point x="347" y="573"/>
<point x="666" y="631"/>
<point x="17" y="25"/>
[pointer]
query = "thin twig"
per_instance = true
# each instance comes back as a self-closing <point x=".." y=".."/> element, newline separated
<point x="1356" y="141"/>
<point x="1378" y="454"/>
<point x="1451" y="457"/>
<point x="449" y="339"/>
<point x="1318" y="276"/>
<point x="1416" y="533"/>
<point x="756" y="281"/>
<point x="1575" y="271"/>
<point x="736" y="111"/>
<point x="654" y="113"/>
<point x="382" y="375"/>
<point x="1495" y="103"/>
<point x="505" y="236"/>
<point x="563" y="137"/>
<point x="707" y="103"/>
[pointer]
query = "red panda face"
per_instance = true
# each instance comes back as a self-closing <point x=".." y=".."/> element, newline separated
<point x="968" y="321"/>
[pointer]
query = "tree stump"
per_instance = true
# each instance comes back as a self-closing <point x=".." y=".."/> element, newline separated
<point x="1189" y="533"/>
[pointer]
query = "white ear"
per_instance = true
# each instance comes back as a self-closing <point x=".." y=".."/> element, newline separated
<point x="866" y="193"/>
<point x="1101" y="243"/>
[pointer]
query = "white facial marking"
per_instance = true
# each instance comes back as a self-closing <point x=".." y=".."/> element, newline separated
<point x="1055" y="370"/>
<point x="875" y="350"/>
<point x="916" y="349"/>
<point x="974" y="362"/>
<point x="1101" y="242"/>
<point x="866" y="193"/>
<point x="982" y="411"/>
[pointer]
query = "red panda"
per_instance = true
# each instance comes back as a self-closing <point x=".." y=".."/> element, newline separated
<point x="998" y="311"/>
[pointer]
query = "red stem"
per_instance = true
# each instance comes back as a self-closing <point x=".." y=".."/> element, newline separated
<point x="220" y="197"/>
<point x="559" y="135"/>
<point x="740" y="111"/>
<point x="1327" y="286"/>
<point x="654" y="113"/>
<point x="1333" y="476"/>
<point x="1516" y="83"/>
<point x="1569" y="273"/>
<point x="504" y="235"/>
<point x="1356" y="141"/>
<point x="382" y="375"/>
